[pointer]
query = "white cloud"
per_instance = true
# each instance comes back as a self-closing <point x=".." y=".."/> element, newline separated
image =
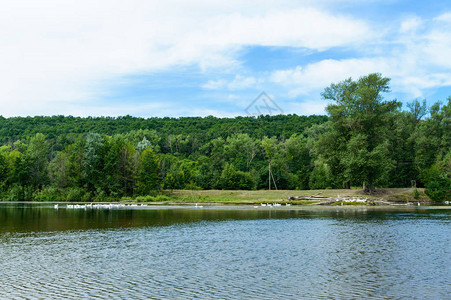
<point x="215" y="84"/>
<point x="411" y="24"/>
<point x="66" y="52"/>
<point x="415" y="62"/>
<point x="61" y="57"/>
<point x="238" y="83"/>
<point x="445" y="17"/>
<point x="315" y="76"/>
<point x="436" y="44"/>
<point x="302" y="27"/>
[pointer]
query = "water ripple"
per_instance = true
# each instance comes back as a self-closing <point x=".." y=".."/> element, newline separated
<point x="341" y="257"/>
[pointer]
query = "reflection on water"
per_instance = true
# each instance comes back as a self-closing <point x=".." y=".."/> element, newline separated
<point x="213" y="253"/>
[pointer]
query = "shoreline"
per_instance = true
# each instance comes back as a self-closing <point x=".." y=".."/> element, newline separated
<point x="327" y="197"/>
<point x="235" y="206"/>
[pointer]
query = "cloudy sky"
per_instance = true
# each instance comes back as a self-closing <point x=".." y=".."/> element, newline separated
<point x="198" y="58"/>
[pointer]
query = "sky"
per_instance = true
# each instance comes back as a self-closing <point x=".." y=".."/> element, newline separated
<point x="198" y="58"/>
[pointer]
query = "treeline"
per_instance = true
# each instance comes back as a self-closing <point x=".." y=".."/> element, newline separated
<point x="61" y="130"/>
<point x="365" y="141"/>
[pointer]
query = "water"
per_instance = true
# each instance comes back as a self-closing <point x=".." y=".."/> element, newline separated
<point x="224" y="253"/>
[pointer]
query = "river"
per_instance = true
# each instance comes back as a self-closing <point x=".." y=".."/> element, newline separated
<point x="224" y="253"/>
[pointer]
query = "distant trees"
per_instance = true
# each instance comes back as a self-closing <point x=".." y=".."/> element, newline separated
<point x="366" y="140"/>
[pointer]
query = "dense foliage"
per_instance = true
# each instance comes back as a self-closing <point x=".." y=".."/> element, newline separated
<point x="364" y="141"/>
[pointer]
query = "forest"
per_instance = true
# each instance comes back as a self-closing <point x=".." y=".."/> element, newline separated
<point x="365" y="141"/>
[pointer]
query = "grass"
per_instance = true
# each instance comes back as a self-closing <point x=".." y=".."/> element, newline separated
<point x="352" y="203"/>
<point x="280" y="196"/>
<point x="238" y="197"/>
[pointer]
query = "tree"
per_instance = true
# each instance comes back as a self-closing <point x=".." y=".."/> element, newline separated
<point x="93" y="161"/>
<point x="143" y="145"/>
<point x="360" y="123"/>
<point x="75" y="167"/>
<point x="438" y="184"/>
<point x="148" y="179"/>
<point x="232" y="179"/>
<point x="432" y="137"/>
<point x="3" y="167"/>
<point x="208" y="176"/>
<point x="143" y="139"/>
<point x="59" y="171"/>
<point x="241" y="149"/>
<point x="417" y="110"/>
<point x="269" y="146"/>
<point x="119" y="166"/>
<point x="36" y="156"/>
<point x="319" y="178"/>
<point x="298" y="160"/>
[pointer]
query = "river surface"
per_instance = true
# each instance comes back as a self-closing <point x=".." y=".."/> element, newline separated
<point x="224" y="253"/>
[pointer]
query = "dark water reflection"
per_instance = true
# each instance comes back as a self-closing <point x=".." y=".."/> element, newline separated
<point x="182" y="253"/>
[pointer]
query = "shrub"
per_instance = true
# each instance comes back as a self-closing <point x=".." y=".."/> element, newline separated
<point x="18" y="193"/>
<point x="192" y="186"/>
<point x="162" y="198"/>
<point x="320" y="177"/>
<point x="14" y="193"/>
<point x="47" y="194"/>
<point x="438" y="185"/>
<point x="232" y="179"/>
<point x="76" y="194"/>
<point x="147" y="198"/>
<point x="150" y="198"/>
<point x="416" y="194"/>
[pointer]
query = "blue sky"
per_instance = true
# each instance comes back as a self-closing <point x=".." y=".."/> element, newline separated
<point x="199" y="58"/>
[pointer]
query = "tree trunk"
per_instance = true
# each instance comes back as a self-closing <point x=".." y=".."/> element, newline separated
<point x="348" y="185"/>
<point x="269" y="175"/>
<point x="369" y="188"/>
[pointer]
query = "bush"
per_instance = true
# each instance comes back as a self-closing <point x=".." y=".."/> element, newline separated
<point x="47" y="194"/>
<point x="14" y="193"/>
<point x="102" y="196"/>
<point x="77" y="194"/>
<point x="145" y="199"/>
<point x="162" y="198"/>
<point x="192" y="186"/>
<point x="320" y="177"/>
<point x="438" y="190"/>
<point x="232" y="179"/>
<point x="416" y="194"/>
<point x="18" y="193"/>
<point x="438" y="185"/>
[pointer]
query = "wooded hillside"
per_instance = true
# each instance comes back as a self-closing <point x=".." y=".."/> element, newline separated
<point x="365" y="140"/>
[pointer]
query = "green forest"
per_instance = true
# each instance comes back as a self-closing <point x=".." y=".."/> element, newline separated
<point x="365" y="141"/>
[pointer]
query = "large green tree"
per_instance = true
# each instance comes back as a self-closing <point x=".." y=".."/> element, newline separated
<point x="360" y="120"/>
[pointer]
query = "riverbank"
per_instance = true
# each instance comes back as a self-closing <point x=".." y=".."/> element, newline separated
<point x="337" y="197"/>
<point x="392" y="196"/>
